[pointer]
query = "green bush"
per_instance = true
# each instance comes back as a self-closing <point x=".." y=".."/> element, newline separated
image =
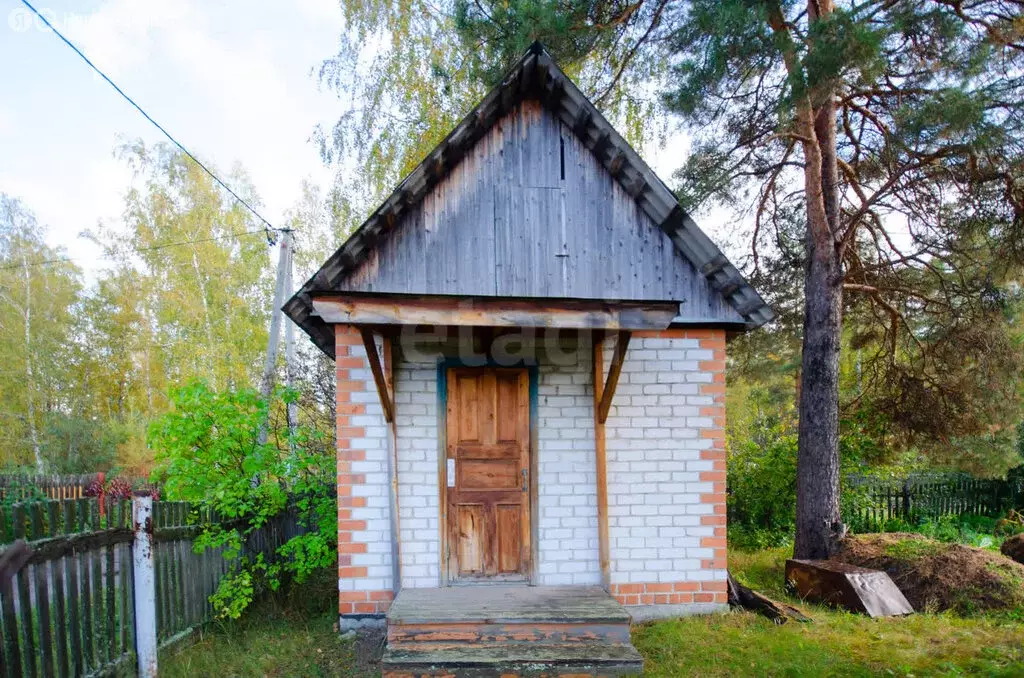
<point x="761" y="479"/>
<point x="209" y="452"/>
<point x="76" y="444"/>
<point x="761" y="474"/>
<point x="19" y="490"/>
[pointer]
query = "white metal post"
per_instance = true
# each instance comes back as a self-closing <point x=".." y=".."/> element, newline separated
<point x="145" y="584"/>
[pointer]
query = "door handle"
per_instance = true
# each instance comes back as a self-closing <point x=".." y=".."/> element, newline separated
<point x="524" y="479"/>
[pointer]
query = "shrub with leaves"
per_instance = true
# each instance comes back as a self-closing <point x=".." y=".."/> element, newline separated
<point x="209" y="452"/>
<point x="761" y="479"/>
<point x="119" y="489"/>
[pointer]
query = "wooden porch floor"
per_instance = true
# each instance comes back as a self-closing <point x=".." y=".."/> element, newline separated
<point x="507" y="605"/>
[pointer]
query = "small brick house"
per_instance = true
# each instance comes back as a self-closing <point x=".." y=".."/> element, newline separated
<point x="530" y="338"/>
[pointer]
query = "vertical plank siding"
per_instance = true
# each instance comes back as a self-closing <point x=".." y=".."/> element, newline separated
<point x="72" y="614"/>
<point x="543" y="218"/>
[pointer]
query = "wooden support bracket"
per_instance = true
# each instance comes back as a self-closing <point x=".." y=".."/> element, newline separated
<point x="605" y="404"/>
<point x="603" y="543"/>
<point x="604" y="391"/>
<point x="396" y="545"/>
<point x="386" y="401"/>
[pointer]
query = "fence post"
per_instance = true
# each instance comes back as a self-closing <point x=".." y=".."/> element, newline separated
<point x="101" y="479"/>
<point x="145" y="583"/>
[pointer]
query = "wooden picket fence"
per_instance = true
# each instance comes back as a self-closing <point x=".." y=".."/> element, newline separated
<point x="933" y="498"/>
<point x="19" y="487"/>
<point x="71" y="610"/>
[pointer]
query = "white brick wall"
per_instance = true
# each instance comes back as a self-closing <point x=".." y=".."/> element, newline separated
<point x="654" y="443"/>
<point x="567" y="474"/>
<point x="416" y="416"/>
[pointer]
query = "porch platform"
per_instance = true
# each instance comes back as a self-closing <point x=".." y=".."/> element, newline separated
<point x="495" y="630"/>
<point x="516" y="604"/>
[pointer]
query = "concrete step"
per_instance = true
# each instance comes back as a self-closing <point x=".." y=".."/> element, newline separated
<point x="590" y="658"/>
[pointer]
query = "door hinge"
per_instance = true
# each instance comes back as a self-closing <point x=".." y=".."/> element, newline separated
<point x="524" y="480"/>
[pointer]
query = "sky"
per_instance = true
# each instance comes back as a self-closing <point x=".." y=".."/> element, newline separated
<point x="232" y="80"/>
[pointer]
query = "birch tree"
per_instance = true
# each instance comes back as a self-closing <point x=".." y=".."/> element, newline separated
<point x="38" y="294"/>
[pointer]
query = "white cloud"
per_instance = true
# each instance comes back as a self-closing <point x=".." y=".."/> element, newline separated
<point x="320" y="10"/>
<point x="69" y="205"/>
<point x="231" y="80"/>
<point x="122" y="34"/>
<point x="239" y="74"/>
<point x="262" y="112"/>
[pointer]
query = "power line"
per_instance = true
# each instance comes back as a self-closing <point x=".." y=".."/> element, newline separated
<point x="68" y="260"/>
<point x="167" y="134"/>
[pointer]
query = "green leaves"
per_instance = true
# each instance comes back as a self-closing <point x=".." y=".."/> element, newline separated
<point x="39" y="297"/>
<point x="840" y="48"/>
<point x="715" y="49"/>
<point x="948" y="115"/>
<point x="208" y="451"/>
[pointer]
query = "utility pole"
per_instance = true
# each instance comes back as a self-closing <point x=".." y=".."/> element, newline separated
<point x="283" y="286"/>
<point x="289" y="347"/>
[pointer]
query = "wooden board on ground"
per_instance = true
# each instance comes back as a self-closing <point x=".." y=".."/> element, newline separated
<point x="780" y="613"/>
<point x="858" y="589"/>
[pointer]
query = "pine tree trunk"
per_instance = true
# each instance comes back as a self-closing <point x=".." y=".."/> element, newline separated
<point x="818" y="522"/>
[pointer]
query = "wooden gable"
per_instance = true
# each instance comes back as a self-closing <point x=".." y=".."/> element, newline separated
<point x="534" y="195"/>
<point x="530" y="212"/>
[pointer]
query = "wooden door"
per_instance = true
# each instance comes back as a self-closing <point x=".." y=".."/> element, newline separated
<point x="487" y="473"/>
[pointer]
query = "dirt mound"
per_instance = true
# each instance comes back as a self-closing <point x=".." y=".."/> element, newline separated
<point x="935" y="576"/>
<point x="1014" y="548"/>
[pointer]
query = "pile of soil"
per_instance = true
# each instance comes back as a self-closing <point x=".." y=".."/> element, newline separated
<point x="935" y="576"/>
<point x="1014" y="548"/>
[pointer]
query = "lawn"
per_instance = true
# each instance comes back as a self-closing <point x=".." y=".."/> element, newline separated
<point x="834" y="644"/>
<point x="284" y="638"/>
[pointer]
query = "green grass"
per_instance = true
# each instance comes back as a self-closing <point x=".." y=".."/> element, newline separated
<point x="290" y="633"/>
<point x="282" y="638"/>
<point x="911" y="550"/>
<point x="267" y="642"/>
<point x="833" y="644"/>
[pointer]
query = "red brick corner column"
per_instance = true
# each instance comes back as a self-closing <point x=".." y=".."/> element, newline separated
<point x="364" y="569"/>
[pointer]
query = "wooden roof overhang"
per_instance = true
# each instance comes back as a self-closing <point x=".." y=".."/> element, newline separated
<point x="569" y="314"/>
<point x="535" y="76"/>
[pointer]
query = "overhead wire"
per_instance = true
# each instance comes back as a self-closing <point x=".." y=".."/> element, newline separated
<point x="269" y="228"/>
<point x="161" y="246"/>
